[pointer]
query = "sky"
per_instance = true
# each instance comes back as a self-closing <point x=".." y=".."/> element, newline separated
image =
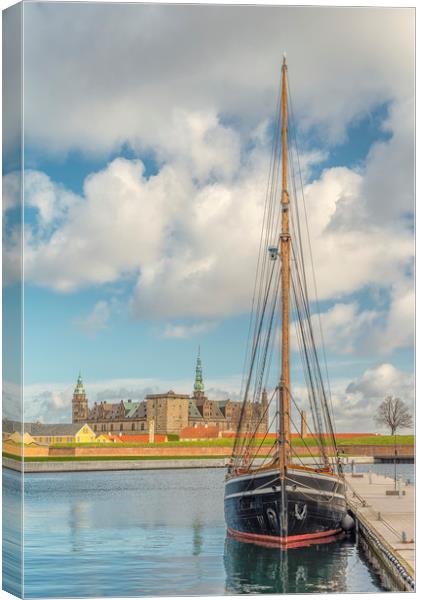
<point x="147" y="140"/>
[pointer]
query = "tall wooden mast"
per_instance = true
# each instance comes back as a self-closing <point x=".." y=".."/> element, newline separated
<point x="284" y="388"/>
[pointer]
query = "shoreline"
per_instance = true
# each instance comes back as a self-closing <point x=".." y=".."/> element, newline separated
<point x="56" y="466"/>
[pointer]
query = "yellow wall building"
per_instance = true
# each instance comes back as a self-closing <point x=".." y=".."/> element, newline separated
<point x="49" y="433"/>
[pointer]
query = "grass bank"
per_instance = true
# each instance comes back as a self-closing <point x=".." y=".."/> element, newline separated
<point x="374" y="440"/>
<point x="30" y="459"/>
<point x="378" y="440"/>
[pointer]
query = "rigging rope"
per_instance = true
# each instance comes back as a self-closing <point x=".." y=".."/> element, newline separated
<point x="265" y="317"/>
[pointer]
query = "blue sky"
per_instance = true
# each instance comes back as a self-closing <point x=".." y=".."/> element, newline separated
<point x="145" y="165"/>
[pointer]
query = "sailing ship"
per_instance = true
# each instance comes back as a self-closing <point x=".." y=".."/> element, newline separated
<point x="272" y="495"/>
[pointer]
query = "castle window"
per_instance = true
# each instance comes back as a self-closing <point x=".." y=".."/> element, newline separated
<point x="111" y="427"/>
<point x="121" y="426"/>
<point x="133" y="426"/>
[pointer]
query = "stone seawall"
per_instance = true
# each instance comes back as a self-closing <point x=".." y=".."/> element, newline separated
<point x="209" y="451"/>
<point x="29" y="450"/>
<point x="112" y="465"/>
<point x="150" y="451"/>
<point x="367" y="450"/>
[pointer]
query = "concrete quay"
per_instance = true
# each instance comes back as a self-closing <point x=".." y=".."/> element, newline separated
<point x="52" y="466"/>
<point x="385" y="525"/>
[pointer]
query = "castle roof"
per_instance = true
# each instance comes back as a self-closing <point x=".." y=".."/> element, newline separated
<point x="52" y="428"/>
<point x="130" y="408"/>
<point x="168" y="395"/>
<point x="193" y="410"/>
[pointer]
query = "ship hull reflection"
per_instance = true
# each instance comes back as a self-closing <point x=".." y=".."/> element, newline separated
<point x="258" y="568"/>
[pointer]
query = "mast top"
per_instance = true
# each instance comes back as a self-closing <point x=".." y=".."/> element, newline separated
<point x="284" y="62"/>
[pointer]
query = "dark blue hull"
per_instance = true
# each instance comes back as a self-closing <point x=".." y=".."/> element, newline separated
<point x="314" y="504"/>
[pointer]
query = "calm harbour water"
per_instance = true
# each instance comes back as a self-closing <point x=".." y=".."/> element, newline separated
<point x="157" y="533"/>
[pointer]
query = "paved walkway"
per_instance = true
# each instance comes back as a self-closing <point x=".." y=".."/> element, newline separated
<point x="388" y="516"/>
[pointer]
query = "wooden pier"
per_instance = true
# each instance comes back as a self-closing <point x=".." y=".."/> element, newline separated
<point x="385" y="525"/>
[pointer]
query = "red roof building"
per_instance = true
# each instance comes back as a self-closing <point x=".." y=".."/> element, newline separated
<point x="199" y="432"/>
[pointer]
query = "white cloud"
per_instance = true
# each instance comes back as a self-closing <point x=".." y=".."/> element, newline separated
<point x="350" y="250"/>
<point x="343" y="327"/>
<point x="220" y="58"/>
<point x="12" y="401"/>
<point x="355" y="403"/>
<point x="182" y="331"/>
<point x="381" y="381"/>
<point x="359" y="402"/>
<point x="200" y="98"/>
<point x="11" y="190"/>
<point x="190" y="235"/>
<point x="399" y="329"/>
<point x="96" y="321"/>
<point x="51" y="200"/>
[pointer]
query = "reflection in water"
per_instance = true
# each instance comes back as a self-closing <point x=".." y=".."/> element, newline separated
<point x="251" y="568"/>
<point x="157" y="533"/>
<point x="78" y="519"/>
<point x="197" y="538"/>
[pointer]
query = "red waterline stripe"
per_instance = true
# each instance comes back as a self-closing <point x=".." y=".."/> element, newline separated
<point x="279" y="540"/>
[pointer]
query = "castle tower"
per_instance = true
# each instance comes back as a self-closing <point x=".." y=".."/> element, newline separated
<point x="199" y="388"/>
<point x="79" y="403"/>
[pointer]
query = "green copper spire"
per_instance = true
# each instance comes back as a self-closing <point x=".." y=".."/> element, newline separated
<point x="79" y="389"/>
<point x="198" y="382"/>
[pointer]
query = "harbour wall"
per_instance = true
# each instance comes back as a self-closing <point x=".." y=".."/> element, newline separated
<point x="111" y="465"/>
<point x="402" y="451"/>
<point x="385" y="526"/>
<point x="373" y="453"/>
<point x="407" y="450"/>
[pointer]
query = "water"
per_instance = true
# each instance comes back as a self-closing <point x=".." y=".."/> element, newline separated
<point x="158" y="533"/>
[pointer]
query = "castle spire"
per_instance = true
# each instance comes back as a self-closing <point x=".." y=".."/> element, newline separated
<point x="79" y="389"/>
<point x="80" y="411"/>
<point x="198" y="382"/>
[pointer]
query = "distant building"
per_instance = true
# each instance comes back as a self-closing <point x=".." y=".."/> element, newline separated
<point x="48" y="433"/>
<point x="79" y="403"/>
<point x="168" y="413"/>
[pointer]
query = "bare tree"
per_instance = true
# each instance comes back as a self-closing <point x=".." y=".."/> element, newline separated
<point x="394" y="413"/>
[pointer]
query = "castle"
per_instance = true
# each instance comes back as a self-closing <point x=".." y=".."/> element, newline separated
<point x="169" y="413"/>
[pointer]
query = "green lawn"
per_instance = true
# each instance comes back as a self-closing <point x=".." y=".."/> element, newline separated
<point x="102" y="458"/>
<point x="12" y="456"/>
<point x="29" y="459"/>
<point x="379" y="440"/>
